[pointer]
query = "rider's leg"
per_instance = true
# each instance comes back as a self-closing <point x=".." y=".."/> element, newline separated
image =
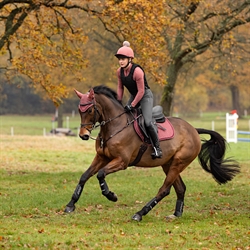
<point x="146" y="106"/>
<point x="157" y="153"/>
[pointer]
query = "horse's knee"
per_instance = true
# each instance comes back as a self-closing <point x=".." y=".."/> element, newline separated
<point x="162" y="194"/>
<point x="166" y="192"/>
<point x="101" y="175"/>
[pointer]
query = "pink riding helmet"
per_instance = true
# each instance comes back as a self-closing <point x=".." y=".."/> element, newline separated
<point x="125" y="51"/>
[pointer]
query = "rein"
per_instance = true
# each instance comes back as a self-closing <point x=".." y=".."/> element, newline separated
<point x="103" y="123"/>
<point x="128" y="123"/>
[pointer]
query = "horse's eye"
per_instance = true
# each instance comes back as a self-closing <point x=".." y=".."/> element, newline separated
<point x="90" y="110"/>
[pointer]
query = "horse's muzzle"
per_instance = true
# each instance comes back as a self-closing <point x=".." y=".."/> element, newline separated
<point x="84" y="137"/>
<point x="84" y="133"/>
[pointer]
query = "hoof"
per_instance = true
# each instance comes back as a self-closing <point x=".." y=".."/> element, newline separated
<point x="137" y="217"/>
<point x="171" y="217"/>
<point x="111" y="196"/>
<point x="69" y="209"/>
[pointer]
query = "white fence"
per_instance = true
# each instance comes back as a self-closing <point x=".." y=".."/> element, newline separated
<point x="232" y="131"/>
<point x="232" y="127"/>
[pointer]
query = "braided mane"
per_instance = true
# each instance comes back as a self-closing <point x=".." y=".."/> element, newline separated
<point x="101" y="89"/>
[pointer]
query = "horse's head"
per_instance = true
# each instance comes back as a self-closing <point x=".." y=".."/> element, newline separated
<point x="88" y="112"/>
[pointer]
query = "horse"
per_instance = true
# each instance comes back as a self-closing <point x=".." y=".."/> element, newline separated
<point x="118" y="146"/>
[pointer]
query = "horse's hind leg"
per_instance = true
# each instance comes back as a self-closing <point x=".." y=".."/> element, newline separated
<point x="180" y="190"/>
<point x="174" y="179"/>
<point x="149" y="206"/>
<point x="163" y="191"/>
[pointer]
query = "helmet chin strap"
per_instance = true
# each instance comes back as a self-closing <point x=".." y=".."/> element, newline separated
<point x="129" y="61"/>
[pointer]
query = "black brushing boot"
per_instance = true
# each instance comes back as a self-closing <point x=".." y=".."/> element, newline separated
<point x="155" y="141"/>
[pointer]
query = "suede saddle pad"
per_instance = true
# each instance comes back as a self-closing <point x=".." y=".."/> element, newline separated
<point x="164" y="128"/>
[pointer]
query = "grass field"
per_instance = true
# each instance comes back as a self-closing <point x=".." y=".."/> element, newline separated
<point x="35" y="125"/>
<point x="39" y="174"/>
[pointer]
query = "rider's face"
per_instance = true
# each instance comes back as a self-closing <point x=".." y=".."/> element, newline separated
<point x="123" y="61"/>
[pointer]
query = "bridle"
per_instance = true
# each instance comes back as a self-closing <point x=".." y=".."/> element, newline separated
<point x="103" y="123"/>
<point x="90" y="104"/>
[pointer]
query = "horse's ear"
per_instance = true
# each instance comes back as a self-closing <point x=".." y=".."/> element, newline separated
<point x="91" y="95"/>
<point x="79" y="94"/>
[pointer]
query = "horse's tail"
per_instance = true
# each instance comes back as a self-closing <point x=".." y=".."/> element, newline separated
<point x="211" y="157"/>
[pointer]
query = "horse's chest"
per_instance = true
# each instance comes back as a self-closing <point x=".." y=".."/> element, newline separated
<point x="103" y="151"/>
<point x="114" y="150"/>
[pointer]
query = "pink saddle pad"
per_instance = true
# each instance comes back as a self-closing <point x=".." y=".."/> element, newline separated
<point x="165" y="130"/>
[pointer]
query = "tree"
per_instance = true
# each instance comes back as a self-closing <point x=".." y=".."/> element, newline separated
<point x="42" y="38"/>
<point x="231" y="70"/>
<point x="169" y="36"/>
<point x="190" y="98"/>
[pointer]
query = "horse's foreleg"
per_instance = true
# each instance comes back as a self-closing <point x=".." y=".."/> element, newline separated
<point x="93" y="169"/>
<point x="77" y="193"/>
<point x="104" y="187"/>
<point x="113" y="166"/>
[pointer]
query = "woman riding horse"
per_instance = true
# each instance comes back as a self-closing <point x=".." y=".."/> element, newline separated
<point x="100" y="108"/>
<point x="133" y="78"/>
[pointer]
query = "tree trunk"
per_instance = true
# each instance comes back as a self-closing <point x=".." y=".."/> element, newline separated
<point x="236" y="99"/>
<point x="168" y="92"/>
<point x="60" y="117"/>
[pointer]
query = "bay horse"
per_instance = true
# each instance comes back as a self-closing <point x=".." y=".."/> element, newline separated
<point x="118" y="146"/>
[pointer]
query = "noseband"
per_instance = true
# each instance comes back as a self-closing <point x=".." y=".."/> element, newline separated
<point x="86" y="108"/>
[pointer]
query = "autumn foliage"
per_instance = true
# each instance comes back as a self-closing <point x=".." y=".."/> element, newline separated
<point x="172" y="40"/>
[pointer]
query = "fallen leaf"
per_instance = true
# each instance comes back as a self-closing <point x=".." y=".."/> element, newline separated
<point x="41" y="231"/>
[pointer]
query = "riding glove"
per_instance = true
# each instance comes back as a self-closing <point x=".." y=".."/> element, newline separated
<point x="128" y="108"/>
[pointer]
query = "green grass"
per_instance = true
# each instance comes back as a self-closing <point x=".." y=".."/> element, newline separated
<point x="215" y="217"/>
<point x="34" y="125"/>
<point x="39" y="174"/>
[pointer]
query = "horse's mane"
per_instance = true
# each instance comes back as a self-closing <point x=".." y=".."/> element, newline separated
<point x="101" y="89"/>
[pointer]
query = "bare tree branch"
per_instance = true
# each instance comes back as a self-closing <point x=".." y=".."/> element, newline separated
<point x="224" y="27"/>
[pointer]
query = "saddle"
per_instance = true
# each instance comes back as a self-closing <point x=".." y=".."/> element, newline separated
<point x="164" y="128"/>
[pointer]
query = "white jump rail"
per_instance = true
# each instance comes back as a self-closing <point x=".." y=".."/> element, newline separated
<point x="240" y="132"/>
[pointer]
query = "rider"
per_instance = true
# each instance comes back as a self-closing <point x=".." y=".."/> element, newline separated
<point x="132" y="76"/>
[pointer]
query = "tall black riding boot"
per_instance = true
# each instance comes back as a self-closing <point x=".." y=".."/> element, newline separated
<point x="154" y="138"/>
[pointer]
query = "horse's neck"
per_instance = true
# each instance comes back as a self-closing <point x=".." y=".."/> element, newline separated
<point x="115" y="121"/>
<point x="110" y="110"/>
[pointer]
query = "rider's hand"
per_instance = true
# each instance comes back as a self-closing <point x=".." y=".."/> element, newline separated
<point x="128" y="108"/>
